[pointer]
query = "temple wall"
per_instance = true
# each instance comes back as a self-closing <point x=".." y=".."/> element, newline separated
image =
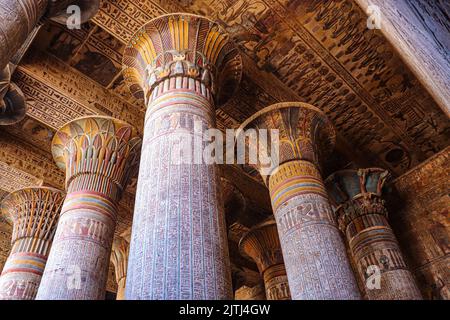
<point x="420" y="221"/>
<point x="5" y="242"/>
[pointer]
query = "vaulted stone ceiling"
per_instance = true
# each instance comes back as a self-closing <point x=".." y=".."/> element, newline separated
<point x="320" y="52"/>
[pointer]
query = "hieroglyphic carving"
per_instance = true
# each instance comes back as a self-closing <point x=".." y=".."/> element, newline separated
<point x="353" y="74"/>
<point x="58" y="93"/>
<point x="322" y="50"/>
<point x="27" y="158"/>
<point x="122" y="18"/>
<point x="403" y="24"/>
<point x="49" y="106"/>
<point x="34" y="215"/>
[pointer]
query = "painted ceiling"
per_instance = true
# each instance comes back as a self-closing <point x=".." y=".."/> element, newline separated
<point x="315" y="51"/>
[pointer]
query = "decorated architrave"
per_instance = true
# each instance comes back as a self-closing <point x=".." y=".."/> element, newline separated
<point x="363" y="218"/>
<point x="262" y="244"/>
<point x="313" y="251"/>
<point x="34" y="213"/>
<point x="98" y="154"/>
<point x="183" y="66"/>
<point x="18" y="18"/>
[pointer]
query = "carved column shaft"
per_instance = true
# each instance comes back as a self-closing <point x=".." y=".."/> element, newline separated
<point x="99" y="154"/>
<point x="313" y="251"/>
<point x="34" y="214"/>
<point x="256" y="292"/>
<point x="362" y="218"/>
<point x="179" y="249"/>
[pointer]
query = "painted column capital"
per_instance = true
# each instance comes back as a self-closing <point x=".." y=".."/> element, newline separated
<point x="305" y="133"/>
<point x="102" y="146"/>
<point x="33" y="212"/>
<point x="245" y="292"/>
<point x="186" y="48"/>
<point x="355" y="193"/>
<point x="12" y="100"/>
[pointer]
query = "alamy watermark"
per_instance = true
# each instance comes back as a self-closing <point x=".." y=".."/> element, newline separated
<point x="211" y="146"/>
<point x="373" y="272"/>
<point x="74" y="17"/>
<point x="73" y="277"/>
<point x="374" y="19"/>
<point x="373" y="282"/>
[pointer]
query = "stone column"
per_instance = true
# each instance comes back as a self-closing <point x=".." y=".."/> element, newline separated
<point x="119" y="258"/>
<point x="33" y="212"/>
<point x="12" y="100"/>
<point x="313" y="251"/>
<point x="262" y="244"/>
<point x="19" y="17"/>
<point x="362" y="217"/>
<point x="99" y="154"/>
<point x="183" y="65"/>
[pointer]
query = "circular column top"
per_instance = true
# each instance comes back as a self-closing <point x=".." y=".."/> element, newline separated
<point x="345" y="185"/>
<point x="97" y="144"/>
<point x="182" y="44"/>
<point x="33" y="211"/>
<point x="304" y="133"/>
